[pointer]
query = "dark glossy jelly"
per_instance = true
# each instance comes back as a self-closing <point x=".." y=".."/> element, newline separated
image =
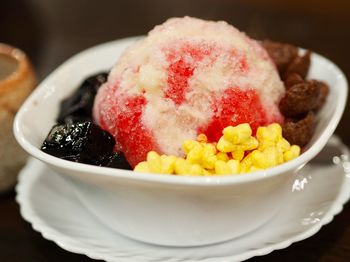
<point x="78" y="106"/>
<point x="82" y="142"/>
<point x="115" y="160"/>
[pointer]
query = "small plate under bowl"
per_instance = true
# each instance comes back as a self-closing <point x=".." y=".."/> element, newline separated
<point x="50" y="202"/>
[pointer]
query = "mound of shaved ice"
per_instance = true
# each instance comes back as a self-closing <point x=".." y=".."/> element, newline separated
<point x="188" y="76"/>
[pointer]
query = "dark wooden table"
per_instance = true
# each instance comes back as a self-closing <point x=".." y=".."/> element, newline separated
<point x="52" y="31"/>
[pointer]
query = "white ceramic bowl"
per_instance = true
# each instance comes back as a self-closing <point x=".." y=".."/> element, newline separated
<point x="165" y="209"/>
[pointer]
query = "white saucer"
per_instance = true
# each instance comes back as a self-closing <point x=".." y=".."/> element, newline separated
<point x="50" y="203"/>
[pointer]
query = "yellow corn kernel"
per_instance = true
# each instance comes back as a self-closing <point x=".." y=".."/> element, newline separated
<point x="167" y="164"/>
<point x="244" y="168"/>
<point x="142" y="167"/>
<point x="209" y="148"/>
<point x="234" y="166"/>
<point x="237" y="134"/>
<point x="250" y="144"/>
<point x="283" y="145"/>
<point x="271" y="133"/>
<point x="188" y="145"/>
<point x="154" y="162"/>
<point x="224" y="145"/>
<point x="279" y="155"/>
<point x="202" y="138"/>
<point x="275" y="131"/>
<point x="230" y="133"/>
<point x="221" y="168"/>
<point x="181" y="166"/>
<point x="273" y="156"/>
<point x="194" y="156"/>
<point x="222" y="156"/>
<point x="257" y="159"/>
<point x="269" y="157"/>
<point x="253" y="169"/>
<point x="196" y="170"/>
<point x="292" y="153"/>
<point x="261" y="133"/>
<point x="208" y="172"/>
<point x="246" y="163"/>
<point x="238" y="155"/>
<point x="208" y="161"/>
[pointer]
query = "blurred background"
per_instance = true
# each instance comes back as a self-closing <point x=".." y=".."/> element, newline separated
<point x="52" y="31"/>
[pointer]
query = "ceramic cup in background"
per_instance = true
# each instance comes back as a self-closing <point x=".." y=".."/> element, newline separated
<point x="17" y="80"/>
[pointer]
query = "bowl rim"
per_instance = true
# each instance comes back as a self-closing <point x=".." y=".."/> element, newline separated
<point x="175" y="179"/>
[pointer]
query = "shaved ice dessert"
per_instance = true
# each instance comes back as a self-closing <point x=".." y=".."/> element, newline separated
<point x="194" y="97"/>
<point x="187" y="77"/>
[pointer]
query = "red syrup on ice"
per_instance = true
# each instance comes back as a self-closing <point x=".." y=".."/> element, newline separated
<point x="234" y="107"/>
<point x="183" y="61"/>
<point x="134" y="139"/>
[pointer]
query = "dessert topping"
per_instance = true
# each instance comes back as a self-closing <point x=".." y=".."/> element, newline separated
<point x="300" y="99"/>
<point x="299" y="131"/>
<point x="82" y="142"/>
<point x="237" y="151"/>
<point x="282" y="54"/>
<point x="78" y="106"/>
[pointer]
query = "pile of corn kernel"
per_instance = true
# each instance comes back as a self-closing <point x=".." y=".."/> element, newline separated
<point x="236" y="152"/>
